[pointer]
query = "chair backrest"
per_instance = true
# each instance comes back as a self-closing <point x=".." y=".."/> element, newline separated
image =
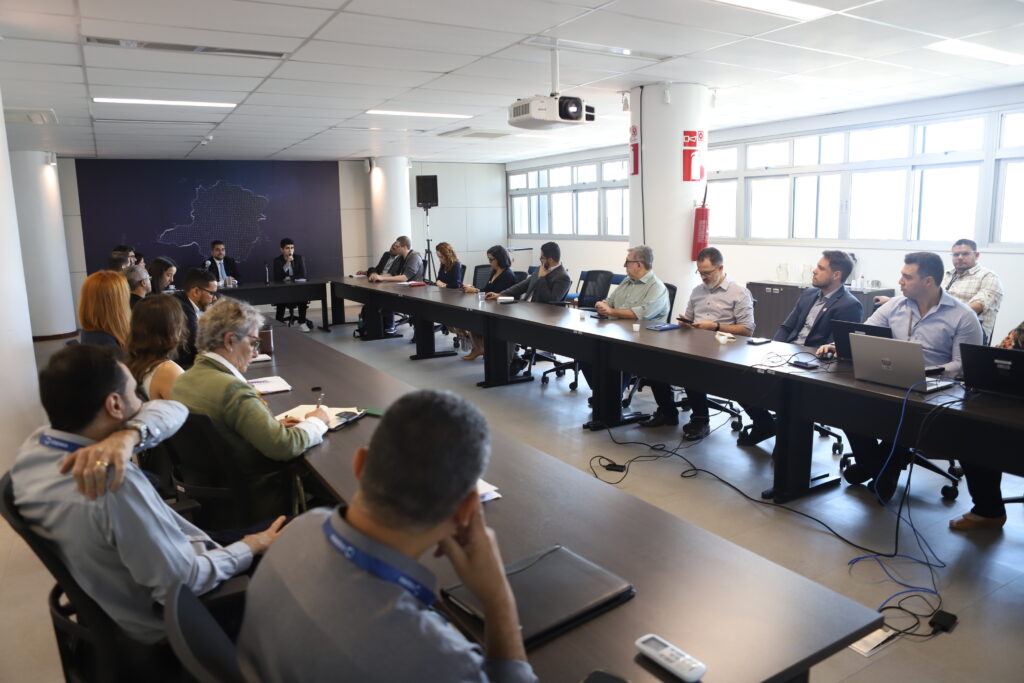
<point x="671" y="300"/>
<point x="462" y="271"/>
<point x="595" y="287"/>
<point x="198" y="640"/>
<point x="520" y="276"/>
<point x="618" y="278"/>
<point x="532" y="269"/>
<point x="92" y="646"/>
<point x="583" y="277"/>
<point x="481" y="276"/>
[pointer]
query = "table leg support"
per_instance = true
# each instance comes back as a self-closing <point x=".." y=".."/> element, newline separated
<point x="423" y="333"/>
<point x="793" y="450"/>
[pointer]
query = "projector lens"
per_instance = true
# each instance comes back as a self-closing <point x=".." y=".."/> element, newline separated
<point x="570" y="108"/>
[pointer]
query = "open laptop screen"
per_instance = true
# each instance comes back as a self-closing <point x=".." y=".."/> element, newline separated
<point x="993" y="370"/>
<point x="841" y="331"/>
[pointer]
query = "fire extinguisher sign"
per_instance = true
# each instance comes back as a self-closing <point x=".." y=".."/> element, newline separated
<point x="634" y="151"/>
<point x="694" y="146"/>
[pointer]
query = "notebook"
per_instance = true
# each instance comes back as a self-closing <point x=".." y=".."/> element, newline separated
<point x="993" y="370"/>
<point x="555" y="589"/>
<point x="841" y="331"/>
<point x="893" y="362"/>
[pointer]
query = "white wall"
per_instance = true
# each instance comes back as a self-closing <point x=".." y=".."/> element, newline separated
<point x="72" y="211"/>
<point x="354" y="193"/>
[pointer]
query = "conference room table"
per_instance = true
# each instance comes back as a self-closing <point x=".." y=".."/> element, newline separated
<point x="745" y="617"/>
<point x="978" y="430"/>
<point x="284" y="293"/>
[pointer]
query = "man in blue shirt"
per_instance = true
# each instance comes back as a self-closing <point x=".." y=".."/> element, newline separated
<point x="940" y="324"/>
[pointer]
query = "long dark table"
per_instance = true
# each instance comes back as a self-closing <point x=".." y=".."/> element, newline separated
<point x="284" y="293"/>
<point x="981" y="430"/>
<point x="747" y="618"/>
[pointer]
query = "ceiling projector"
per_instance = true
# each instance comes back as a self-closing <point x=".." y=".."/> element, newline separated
<point x="548" y="111"/>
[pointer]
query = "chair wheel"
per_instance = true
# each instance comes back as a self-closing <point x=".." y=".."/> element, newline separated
<point x="572" y="386"/>
<point x="736" y="425"/>
<point x="950" y="492"/>
<point x="837" y="449"/>
<point x="544" y="380"/>
<point x="957" y="472"/>
<point x="559" y="373"/>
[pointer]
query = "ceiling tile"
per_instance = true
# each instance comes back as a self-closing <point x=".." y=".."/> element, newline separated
<point x="947" y="19"/>
<point x="850" y="36"/>
<point x="1011" y="39"/>
<point x="711" y="74"/>
<point x="617" y="30"/>
<point x="224" y="15"/>
<point x="163" y="79"/>
<point x="124" y="30"/>
<point x="380" y="57"/>
<point x="333" y="73"/>
<point x="415" y="35"/>
<point x="866" y="74"/>
<point x="527" y="72"/>
<point x="574" y="59"/>
<point x="1004" y="75"/>
<point x="492" y="86"/>
<point x="773" y="56"/>
<point x="66" y="7"/>
<point x="938" y="62"/>
<point x="341" y="103"/>
<point x="297" y="112"/>
<point x="703" y="14"/>
<point x="39" y="52"/>
<point x="321" y="89"/>
<point x="522" y="16"/>
<point x="17" y="24"/>
<point x="40" y="72"/>
<point x="423" y="95"/>
<point x="179" y="62"/>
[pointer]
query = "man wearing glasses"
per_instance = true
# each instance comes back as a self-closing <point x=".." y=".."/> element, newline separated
<point x="718" y="304"/>
<point x="198" y="293"/>
<point x="260" y="447"/>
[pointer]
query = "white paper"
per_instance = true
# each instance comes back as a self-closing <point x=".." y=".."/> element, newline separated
<point x="270" y="385"/>
<point x="262" y="358"/>
<point x="874" y="642"/>
<point x="503" y="299"/>
<point x="300" y="412"/>
<point x="487" y="491"/>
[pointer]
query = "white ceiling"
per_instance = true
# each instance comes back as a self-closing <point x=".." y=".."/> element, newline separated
<point x="344" y="57"/>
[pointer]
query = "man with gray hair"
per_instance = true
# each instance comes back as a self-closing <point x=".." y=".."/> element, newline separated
<point x="259" y="446"/>
<point x="138" y="282"/>
<point x="356" y="606"/>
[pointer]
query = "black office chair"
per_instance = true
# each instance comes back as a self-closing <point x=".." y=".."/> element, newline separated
<point x="91" y="646"/>
<point x="481" y="276"/>
<point x="596" y="284"/>
<point x="572" y="296"/>
<point x="200" y="643"/>
<point x="520" y="275"/>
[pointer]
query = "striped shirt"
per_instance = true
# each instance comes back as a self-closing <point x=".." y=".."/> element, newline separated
<point x="977" y="285"/>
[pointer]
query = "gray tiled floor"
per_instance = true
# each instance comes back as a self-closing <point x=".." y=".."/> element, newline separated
<point x="983" y="582"/>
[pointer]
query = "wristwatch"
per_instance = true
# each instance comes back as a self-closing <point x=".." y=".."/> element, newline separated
<point x="145" y="435"/>
<point x="718" y="326"/>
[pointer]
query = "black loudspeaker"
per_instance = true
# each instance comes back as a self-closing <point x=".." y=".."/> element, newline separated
<point x="426" y="191"/>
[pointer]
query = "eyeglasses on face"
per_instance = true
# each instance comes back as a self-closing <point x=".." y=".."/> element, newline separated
<point x="254" y="342"/>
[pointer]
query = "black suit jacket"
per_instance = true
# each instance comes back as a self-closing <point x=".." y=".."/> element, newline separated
<point x="187" y="354"/>
<point x="396" y="267"/>
<point x="451" y="278"/>
<point x="542" y="290"/>
<point x="230" y="268"/>
<point x="298" y="269"/>
<point x="841" y="306"/>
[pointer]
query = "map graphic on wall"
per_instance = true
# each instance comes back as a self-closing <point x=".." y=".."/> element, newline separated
<point x="176" y="208"/>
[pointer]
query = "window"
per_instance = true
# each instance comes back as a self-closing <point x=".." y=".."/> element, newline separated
<point x="878" y="205"/>
<point x="721" y="159"/>
<point x="586" y="213"/>
<point x="833" y="148"/>
<point x="561" y="213"/>
<point x="1013" y="130"/>
<point x="614" y="170"/>
<point x="722" y="206"/>
<point x="816" y="206"/>
<point x="948" y="202"/>
<point x="521" y="215"/>
<point x="585" y="174"/>
<point x="768" y="155"/>
<point x="769" y="207"/>
<point x="559" y="177"/>
<point x="516" y="181"/>
<point x="616" y="211"/>
<point x="880" y="143"/>
<point x="952" y="136"/>
<point x="1011" y="223"/>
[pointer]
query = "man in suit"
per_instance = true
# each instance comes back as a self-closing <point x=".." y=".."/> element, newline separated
<point x="198" y="292"/>
<point x="548" y="285"/>
<point x="810" y="324"/>
<point x="410" y="269"/>
<point x="390" y="262"/>
<point x="222" y="267"/>
<point x="290" y="267"/>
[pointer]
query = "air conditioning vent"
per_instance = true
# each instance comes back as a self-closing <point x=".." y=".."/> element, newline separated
<point x="174" y="47"/>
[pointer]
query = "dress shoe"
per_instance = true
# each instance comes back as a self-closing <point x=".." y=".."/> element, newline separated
<point x="660" y="420"/>
<point x="309" y="324"/>
<point x="390" y="330"/>
<point x="756" y="433"/>
<point x="973" y="522"/>
<point x="473" y="355"/>
<point x="855" y="473"/>
<point x="696" y="429"/>
<point x="885" y="483"/>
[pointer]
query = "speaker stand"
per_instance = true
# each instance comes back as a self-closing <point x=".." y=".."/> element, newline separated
<point x="429" y="270"/>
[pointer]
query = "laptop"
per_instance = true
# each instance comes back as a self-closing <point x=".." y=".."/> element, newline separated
<point x="893" y="362"/>
<point x="993" y="370"/>
<point x="841" y="331"/>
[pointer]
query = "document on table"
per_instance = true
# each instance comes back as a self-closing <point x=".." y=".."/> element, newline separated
<point x="262" y="358"/>
<point x="270" y="385"/>
<point x="487" y="491"/>
<point x="300" y="412"/>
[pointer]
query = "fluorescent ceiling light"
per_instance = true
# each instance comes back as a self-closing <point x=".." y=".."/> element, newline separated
<point x="388" y="112"/>
<point x="782" y="8"/>
<point x="168" y="103"/>
<point x="963" y="48"/>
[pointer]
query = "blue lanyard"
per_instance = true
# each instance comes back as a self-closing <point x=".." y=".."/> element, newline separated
<point x="54" y="442"/>
<point x="377" y="567"/>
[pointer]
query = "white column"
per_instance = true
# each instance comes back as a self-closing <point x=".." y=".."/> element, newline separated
<point x="661" y="201"/>
<point x="389" y="203"/>
<point x="22" y="412"/>
<point x="44" y="251"/>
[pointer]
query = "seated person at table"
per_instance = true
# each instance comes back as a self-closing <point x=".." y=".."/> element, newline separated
<point x="939" y="323"/>
<point x="342" y="596"/>
<point x="138" y="283"/>
<point x="260" y="446"/>
<point x="549" y="284"/>
<point x="810" y="324"/>
<point x="162" y="270"/>
<point x="130" y="251"/>
<point x="157" y="333"/>
<point x="390" y="263"/>
<point x="103" y="309"/>
<point x="125" y="548"/>
<point x="118" y="261"/>
<point x="641" y="296"/>
<point x="449" y="275"/>
<point x="719" y="304"/>
<point x="197" y="294"/>
<point x="291" y="267"/>
<point x="501" y="279"/>
<point x="222" y="267"/>
<point x="411" y="271"/>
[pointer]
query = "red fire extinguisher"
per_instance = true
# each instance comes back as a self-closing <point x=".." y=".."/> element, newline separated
<point x="700" y="226"/>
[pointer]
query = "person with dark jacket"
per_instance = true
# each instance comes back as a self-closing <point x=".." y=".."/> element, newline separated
<point x="223" y="268"/>
<point x="291" y="267"/>
<point x="198" y="293"/>
<point x="549" y="284"/>
<point x="390" y="263"/>
<point x="502" y="278"/>
<point x="449" y="275"/>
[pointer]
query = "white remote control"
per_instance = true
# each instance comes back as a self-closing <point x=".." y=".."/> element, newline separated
<point x="684" y="666"/>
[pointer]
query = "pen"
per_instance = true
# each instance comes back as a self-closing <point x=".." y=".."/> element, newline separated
<point x="319" y="400"/>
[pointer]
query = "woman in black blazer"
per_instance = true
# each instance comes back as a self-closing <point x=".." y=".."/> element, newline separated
<point x="450" y="273"/>
<point x="502" y="278"/>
